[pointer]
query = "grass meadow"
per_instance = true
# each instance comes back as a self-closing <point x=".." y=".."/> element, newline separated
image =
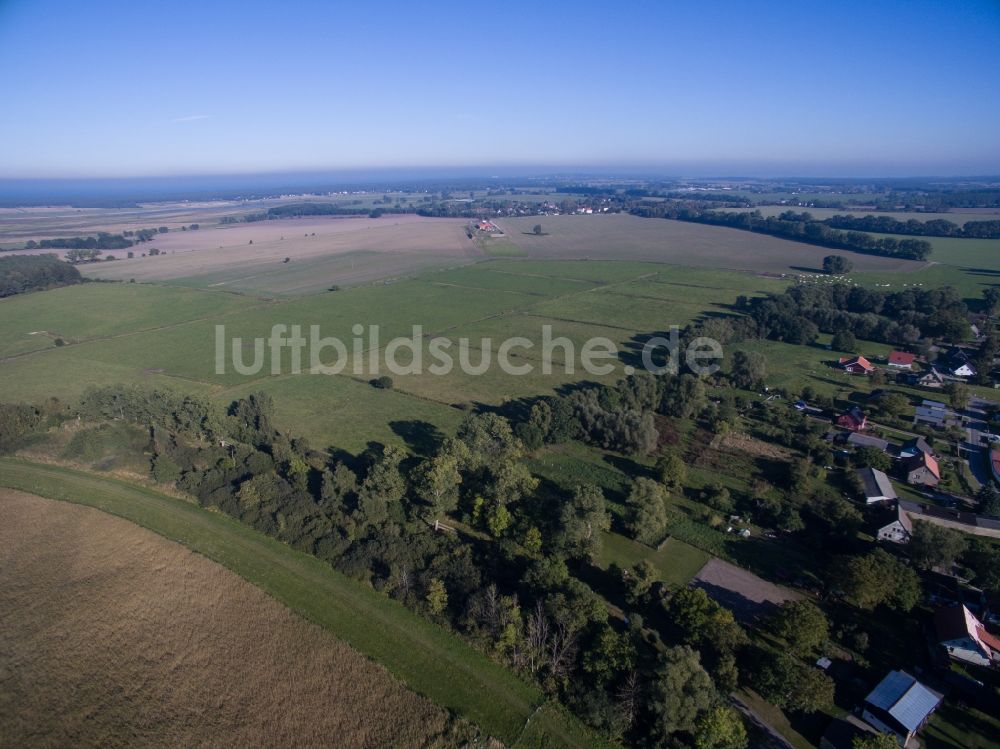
<point x="163" y="334"/>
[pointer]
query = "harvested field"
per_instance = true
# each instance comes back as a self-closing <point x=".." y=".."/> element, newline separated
<point x="743" y="592"/>
<point x="320" y="252"/>
<point x="114" y="636"/>
<point x="624" y="237"/>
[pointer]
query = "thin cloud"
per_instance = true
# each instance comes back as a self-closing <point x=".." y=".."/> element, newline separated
<point x="191" y="118"/>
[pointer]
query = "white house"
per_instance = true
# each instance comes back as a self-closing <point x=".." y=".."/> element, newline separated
<point x="899" y="530"/>
<point x="964" y="636"/>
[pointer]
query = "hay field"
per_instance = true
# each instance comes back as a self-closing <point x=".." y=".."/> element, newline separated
<point x="32" y="322"/>
<point x="114" y="636"/>
<point x="625" y="237"/>
<point x="497" y="299"/>
<point x="321" y="251"/>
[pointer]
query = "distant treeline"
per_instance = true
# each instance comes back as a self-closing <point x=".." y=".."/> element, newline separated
<point x="987" y="197"/>
<point x="311" y="209"/>
<point x="23" y="273"/>
<point x="789" y="225"/>
<point x="103" y="240"/>
<point x="933" y="228"/>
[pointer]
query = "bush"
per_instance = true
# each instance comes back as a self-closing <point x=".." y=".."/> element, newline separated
<point x="164" y="469"/>
<point x="383" y="383"/>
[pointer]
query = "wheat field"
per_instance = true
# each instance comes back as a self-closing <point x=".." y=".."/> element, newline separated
<point x="113" y="636"/>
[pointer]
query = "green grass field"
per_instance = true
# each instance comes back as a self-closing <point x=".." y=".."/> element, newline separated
<point x="32" y="322"/>
<point x="428" y="659"/>
<point x="164" y="336"/>
<point x="676" y="562"/>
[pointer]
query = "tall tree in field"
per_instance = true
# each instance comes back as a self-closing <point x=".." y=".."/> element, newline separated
<point x="877" y="578"/>
<point x="749" y="369"/>
<point x="436" y="482"/>
<point x="802" y="625"/>
<point x="837" y="264"/>
<point x="583" y="520"/>
<point x="647" y="516"/>
<point x="684" y="692"/>
<point x="383" y="484"/>
<point x="671" y="471"/>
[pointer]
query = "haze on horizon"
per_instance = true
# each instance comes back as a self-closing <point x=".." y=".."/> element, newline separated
<point x="115" y="89"/>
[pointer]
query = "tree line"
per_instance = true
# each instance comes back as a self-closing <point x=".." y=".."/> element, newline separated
<point x="102" y="241"/>
<point x="799" y="314"/>
<point x="932" y="228"/>
<point x="789" y="225"/>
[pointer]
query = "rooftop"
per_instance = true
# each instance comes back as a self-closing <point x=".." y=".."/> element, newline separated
<point x="904" y="698"/>
<point x="876" y="483"/>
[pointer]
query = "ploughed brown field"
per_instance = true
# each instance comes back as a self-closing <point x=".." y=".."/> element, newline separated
<point x="113" y="636"/>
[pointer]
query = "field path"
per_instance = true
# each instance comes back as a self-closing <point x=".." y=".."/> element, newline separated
<point x="428" y="659"/>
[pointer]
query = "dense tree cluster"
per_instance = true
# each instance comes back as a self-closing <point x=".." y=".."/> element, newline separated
<point x="23" y="273"/>
<point x="801" y="313"/>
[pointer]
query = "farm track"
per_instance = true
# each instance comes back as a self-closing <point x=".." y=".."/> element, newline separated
<point x="428" y="659"/>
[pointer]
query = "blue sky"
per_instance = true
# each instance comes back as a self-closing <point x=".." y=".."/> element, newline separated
<point x="788" y="88"/>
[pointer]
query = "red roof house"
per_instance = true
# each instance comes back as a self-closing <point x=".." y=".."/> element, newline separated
<point x="857" y="365"/>
<point x="901" y="359"/>
<point x="922" y="469"/>
<point x="964" y="636"/>
<point x="855" y="420"/>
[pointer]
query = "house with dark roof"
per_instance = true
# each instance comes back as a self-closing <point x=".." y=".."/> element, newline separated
<point x="855" y="420"/>
<point x="876" y="486"/>
<point x="901" y="360"/>
<point x="900" y="705"/>
<point x="856" y="365"/>
<point x="959" y="364"/>
<point x="854" y="439"/>
<point x="899" y="529"/>
<point x="964" y="636"/>
<point x="922" y="470"/>
<point x="914" y="447"/>
<point x="936" y="414"/>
